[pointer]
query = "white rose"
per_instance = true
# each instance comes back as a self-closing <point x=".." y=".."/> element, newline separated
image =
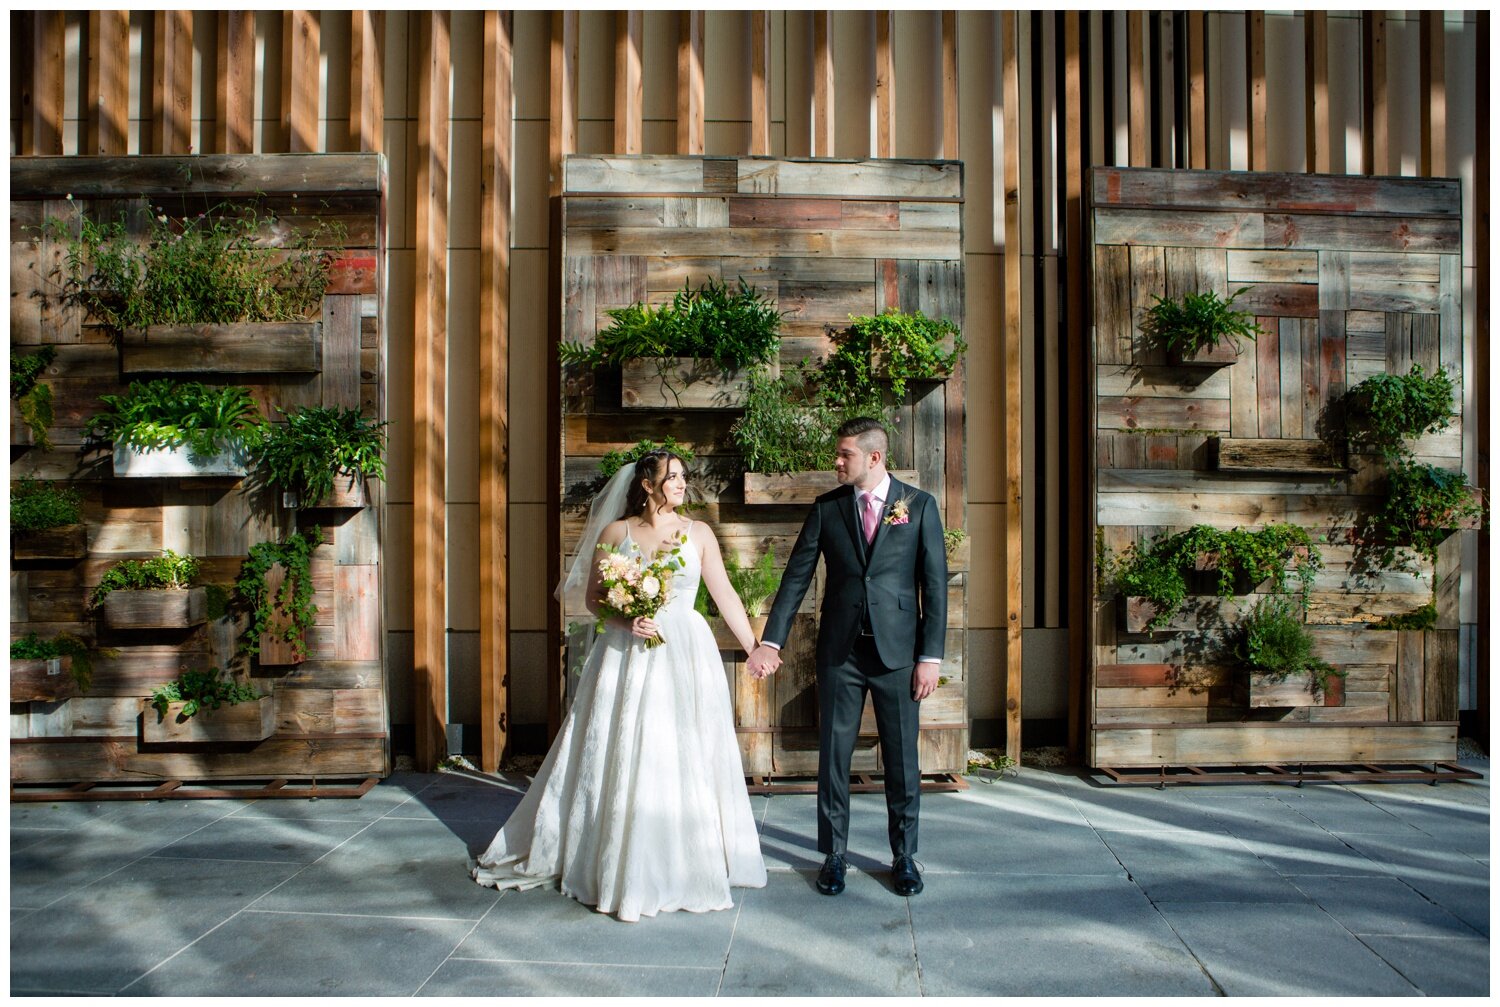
<point x="650" y="587"/>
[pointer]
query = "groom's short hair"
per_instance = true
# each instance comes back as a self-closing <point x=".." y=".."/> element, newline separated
<point x="870" y="433"/>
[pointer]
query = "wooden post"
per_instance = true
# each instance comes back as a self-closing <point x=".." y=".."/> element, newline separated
<point x="1482" y="363"/>
<point x="629" y="97"/>
<point x="172" y="83"/>
<point x="885" y="83"/>
<point x="1434" y="103"/>
<point x="1255" y="67"/>
<point x="690" y="82"/>
<point x="1197" y="92"/>
<point x="760" y="71"/>
<point x="234" y="126"/>
<point x="1080" y="586"/>
<point x="367" y="80"/>
<point x="47" y="86"/>
<point x="300" y="40"/>
<point x="1010" y="55"/>
<point x="429" y="381"/>
<point x="108" y="82"/>
<point x="562" y="132"/>
<point x="494" y="390"/>
<point x="1315" y="50"/>
<point x="823" y="83"/>
<point x="1140" y="150"/>
<point x="1376" y="118"/>
<point x="950" y="84"/>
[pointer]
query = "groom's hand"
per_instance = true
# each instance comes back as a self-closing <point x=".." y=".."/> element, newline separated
<point x="924" y="680"/>
<point x="762" y="661"/>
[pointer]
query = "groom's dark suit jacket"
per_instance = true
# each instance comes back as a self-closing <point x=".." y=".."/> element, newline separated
<point x="899" y="582"/>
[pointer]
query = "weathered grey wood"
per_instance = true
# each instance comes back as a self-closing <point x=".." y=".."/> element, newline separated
<point x="681" y="383"/>
<point x="103" y="759"/>
<point x="803" y="487"/>
<point x="1270" y="266"/>
<point x="1260" y="744"/>
<point x="905" y="180"/>
<point x="275" y="649"/>
<point x="252" y="720"/>
<point x="1309" y="457"/>
<point x="1170" y="228"/>
<point x="239" y="348"/>
<point x="1333" y="194"/>
<point x="308" y="175"/>
<point x="1440" y="680"/>
<point x="174" y="609"/>
<point x="1112" y="316"/>
<point x="1130" y="412"/>
<point x="69" y="541"/>
<point x="179" y="463"/>
<point x="1352" y="233"/>
<point x="48" y="681"/>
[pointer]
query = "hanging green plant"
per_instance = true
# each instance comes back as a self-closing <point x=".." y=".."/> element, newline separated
<point x="36" y="506"/>
<point x="319" y="444"/>
<point x="167" y="572"/>
<point x="226" y="264"/>
<point x="208" y="689"/>
<point x="614" y="461"/>
<point x="32" y="398"/>
<point x="894" y="347"/>
<point x="1272" y="639"/>
<point x="1384" y="411"/>
<point x="1197" y="321"/>
<point x="733" y="326"/>
<point x="33" y="648"/>
<point x="1423" y="505"/>
<point x="166" y="414"/>
<point x="294" y="597"/>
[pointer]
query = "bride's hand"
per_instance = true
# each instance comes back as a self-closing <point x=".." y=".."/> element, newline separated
<point x="643" y="627"/>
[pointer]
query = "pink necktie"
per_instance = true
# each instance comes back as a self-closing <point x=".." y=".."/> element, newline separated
<point x="872" y="517"/>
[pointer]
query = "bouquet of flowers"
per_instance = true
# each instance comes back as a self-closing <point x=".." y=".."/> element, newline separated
<point x="634" y="587"/>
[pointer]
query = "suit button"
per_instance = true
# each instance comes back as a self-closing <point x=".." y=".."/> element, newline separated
<point x="867" y="580"/>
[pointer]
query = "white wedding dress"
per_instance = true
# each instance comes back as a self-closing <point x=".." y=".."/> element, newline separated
<point x="640" y="807"/>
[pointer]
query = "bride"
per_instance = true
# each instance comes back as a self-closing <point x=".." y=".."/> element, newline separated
<point x="640" y="807"/>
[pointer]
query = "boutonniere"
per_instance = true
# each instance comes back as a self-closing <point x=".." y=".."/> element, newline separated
<point x="899" y="513"/>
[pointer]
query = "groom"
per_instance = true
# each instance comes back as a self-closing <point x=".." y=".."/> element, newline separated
<point x="880" y="631"/>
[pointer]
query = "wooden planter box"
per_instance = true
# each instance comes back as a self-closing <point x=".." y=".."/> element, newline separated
<point x="42" y="681"/>
<point x="800" y="487"/>
<point x="1222" y="355"/>
<point x="1290" y="455"/>
<point x="275" y="651"/>
<point x="1461" y="524"/>
<point x="180" y="463"/>
<point x="254" y="720"/>
<point x="682" y="383"/>
<point x="237" y="348"/>
<point x="1293" y="690"/>
<point x="958" y="557"/>
<point x="348" y="493"/>
<point x="69" y="541"/>
<point x="166" y="609"/>
<point x="725" y="639"/>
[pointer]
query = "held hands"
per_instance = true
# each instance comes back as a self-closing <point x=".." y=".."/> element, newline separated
<point x="763" y="661"/>
<point x="924" y="680"/>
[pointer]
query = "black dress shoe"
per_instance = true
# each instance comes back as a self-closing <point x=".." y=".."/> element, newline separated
<point x="907" y="878"/>
<point x="831" y="877"/>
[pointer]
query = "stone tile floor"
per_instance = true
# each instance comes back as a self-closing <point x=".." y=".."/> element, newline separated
<point x="1047" y="883"/>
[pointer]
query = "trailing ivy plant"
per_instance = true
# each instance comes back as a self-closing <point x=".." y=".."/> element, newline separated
<point x="755" y="585"/>
<point x="1271" y="638"/>
<point x="226" y="264"/>
<point x="1423" y="505"/>
<point x="294" y="597"/>
<point x="614" y="461"/>
<point x="36" y="506"/>
<point x="1196" y="321"/>
<point x="167" y="572"/>
<point x="318" y="444"/>
<point x="165" y="414"/>
<point x="32" y="398"/>
<point x="735" y="327"/>
<point x="1384" y="411"/>
<point x="781" y="431"/>
<point x="895" y="347"/>
<point x="208" y="689"/>
<point x="33" y="648"/>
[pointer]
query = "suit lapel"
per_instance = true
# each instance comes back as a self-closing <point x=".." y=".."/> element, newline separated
<point x="851" y="518"/>
<point x="895" y="492"/>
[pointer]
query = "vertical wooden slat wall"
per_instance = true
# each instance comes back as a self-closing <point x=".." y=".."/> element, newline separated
<point x="108" y="82"/>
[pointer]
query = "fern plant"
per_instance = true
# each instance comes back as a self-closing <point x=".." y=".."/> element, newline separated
<point x="35" y="506"/>
<point x="1271" y="638"/>
<point x="755" y="585"/>
<point x="895" y="347"/>
<point x="294" y="597"/>
<point x="1197" y="321"/>
<point x="165" y="414"/>
<point x="32" y="398"/>
<point x="318" y="444"/>
<point x="167" y="572"/>
<point x="208" y="689"/>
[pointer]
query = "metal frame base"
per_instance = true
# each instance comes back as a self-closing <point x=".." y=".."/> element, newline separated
<point x="180" y="790"/>
<point x="1294" y="774"/>
<point x="859" y="783"/>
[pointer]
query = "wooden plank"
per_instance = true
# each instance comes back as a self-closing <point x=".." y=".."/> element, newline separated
<point x="1112" y="314"/>
<point x="690" y="82"/>
<point x="234" y="98"/>
<point x="108" y="98"/>
<point x="1356" y="233"/>
<point x="48" y="67"/>
<point x="1223" y="191"/>
<point x="1011" y="377"/>
<point x="950" y="83"/>
<point x="760" y="94"/>
<point x="1433" y="106"/>
<point x="1440" y="680"/>
<point x="172" y="82"/>
<point x="300" y="42"/>
<point x="1410" y="680"/>
<point x="1130" y="226"/>
<point x="1130" y="412"/>
<point x="562" y="130"/>
<point x="1163" y="676"/>
<point x="1197" y="118"/>
<point x="1171" y="697"/>
<point x="245" y="348"/>
<point x="1255" y="68"/>
<point x="803" y="487"/>
<point x="1223" y="510"/>
<point x="1268" y="377"/>
<point x="106" y="759"/>
<point x="706" y="241"/>
<point x="1348" y="607"/>
<point x="1172" y="382"/>
<point x="213" y="175"/>
<point x="367" y="80"/>
<point x="1280" y="299"/>
<point x="1236" y="454"/>
<point x="681" y="383"/>
<point x="1315" y="76"/>
<point x="629" y="81"/>
<point x="1290" y="377"/>
<point x="1138" y="103"/>
<point x="885" y="84"/>
<point x="1261" y="744"/>
<point x="1080" y="591"/>
<point x="822" y="84"/>
<point x="1147" y="282"/>
<point x="429" y="380"/>
<point x="1375" y="114"/>
<point x="1271" y="266"/>
<point x="852" y="179"/>
<point x="1312" y="399"/>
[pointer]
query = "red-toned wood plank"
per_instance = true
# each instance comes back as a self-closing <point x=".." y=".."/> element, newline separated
<point x="772" y="211"/>
<point x="1295" y="299"/>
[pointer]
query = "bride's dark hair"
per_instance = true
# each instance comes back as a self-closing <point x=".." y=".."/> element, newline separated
<point x="653" y="465"/>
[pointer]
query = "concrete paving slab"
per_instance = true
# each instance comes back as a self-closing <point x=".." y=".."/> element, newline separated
<point x="1282" y="950"/>
<point x="42" y="872"/>
<point x="543" y="925"/>
<point x="1022" y="935"/>
<point x="468" y="977"/>
<point x="789" y="834"/>
<point x="791" y="940"/>
<point x="395" y="867"/>
<point x="1381" y="907"/>
<point x="62" y="814"/>
<point x="1337" y="810"/>
<point x="970" y="837"/>
<point x="1290" y="844"/>
<point x="1438" y="966"/>
<point x="262" y="840"/>
<point x="1127" y="809"/>
<point x="1466" y="898"/>
<point x="458" y="798"/>
<point x="1417" y="855"/>
<point x="1457" y="826"/>
<point x="284" y="954"/>
<point x="1183" y="866"/>
<point x="134" y="920"/>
